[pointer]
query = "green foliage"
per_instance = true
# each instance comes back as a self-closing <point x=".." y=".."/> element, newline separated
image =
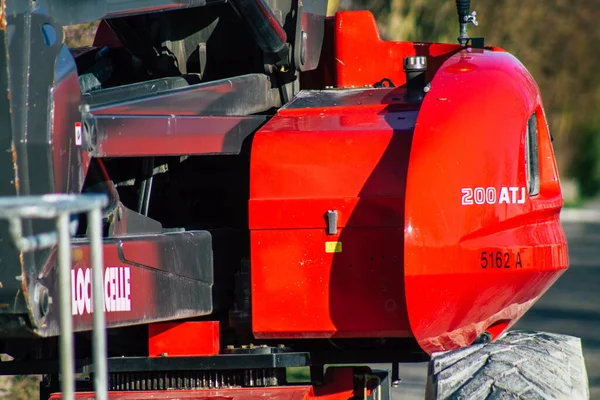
<point x="80" y="35"/>
<point x="413" y="20"/>
<point x="20" y="387"/>
<point x="298" y="374"/>
<point x="585" y="165"/>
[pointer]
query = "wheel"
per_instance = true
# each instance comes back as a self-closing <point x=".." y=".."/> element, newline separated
<point x="518" y="365"/>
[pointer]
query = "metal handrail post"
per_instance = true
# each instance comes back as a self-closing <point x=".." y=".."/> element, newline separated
<point x="60" y="207"/>
<point x="99" y="327"/>
<point x="66" y="317"/>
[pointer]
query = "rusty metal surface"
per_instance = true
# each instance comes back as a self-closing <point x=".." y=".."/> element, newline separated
<point x="2" y="15"/>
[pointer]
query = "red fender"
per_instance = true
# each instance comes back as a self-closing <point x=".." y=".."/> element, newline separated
<point x="475" y="258"/>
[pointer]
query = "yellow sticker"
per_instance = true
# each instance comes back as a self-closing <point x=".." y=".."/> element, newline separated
<point x="333" y="247"/>
<point x="77" y="254"/>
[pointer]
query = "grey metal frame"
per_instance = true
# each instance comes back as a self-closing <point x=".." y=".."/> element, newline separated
<point x="61" y="207"/>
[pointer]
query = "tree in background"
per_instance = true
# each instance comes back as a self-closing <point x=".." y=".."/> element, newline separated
<point x="555" y="40"/>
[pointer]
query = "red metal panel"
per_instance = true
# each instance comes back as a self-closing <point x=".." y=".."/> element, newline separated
<point x="131" y="289"/>
<point x="362" y="58"/>
<point x="184" y="339"/>
<point x="353" y="212"/>
<point x="463" y="142"/>
<point x="129" y="292"/>
<point x="281" y="393"/>
<point x="351" y="156"/>
<point x="338" y="385"/>
<point x="300" y="290"/>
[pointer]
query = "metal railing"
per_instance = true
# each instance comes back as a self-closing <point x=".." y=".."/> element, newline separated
<point x="60" y="207"/>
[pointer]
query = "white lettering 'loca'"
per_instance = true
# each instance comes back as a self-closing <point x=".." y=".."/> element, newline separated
<point x="117" y="290"/>
<point x="489" y="195"/>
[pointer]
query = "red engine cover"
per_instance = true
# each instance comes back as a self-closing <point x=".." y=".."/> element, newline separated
<point x="440" y="238"/>
<point x="351" y="158"/>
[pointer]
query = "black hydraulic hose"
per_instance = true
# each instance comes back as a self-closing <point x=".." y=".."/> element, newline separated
<point x="146" y="186"/>
<point x="267" y="31"/>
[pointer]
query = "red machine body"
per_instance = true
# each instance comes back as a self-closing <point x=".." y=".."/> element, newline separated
<point x="441" y="233"/>
<point x="266" y="215"/>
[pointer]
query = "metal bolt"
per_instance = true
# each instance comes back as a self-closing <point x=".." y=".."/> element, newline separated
<point x="42" y="297"/>
<point x="415" y="63"/>
<point x="396" y="383"/>
<point x="230" y="347"/>
<point x="281" y="346"/>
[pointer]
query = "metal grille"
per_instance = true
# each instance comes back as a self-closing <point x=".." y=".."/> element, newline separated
<point x="60" y="207"/>
<point x="193" y="380"/>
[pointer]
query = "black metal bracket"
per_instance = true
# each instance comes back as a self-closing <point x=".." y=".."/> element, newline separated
<point x="140" y="364"/>
<point x="464" y="19"/>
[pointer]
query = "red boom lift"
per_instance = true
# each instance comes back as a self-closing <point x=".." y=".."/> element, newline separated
<point x="244" y="187"/>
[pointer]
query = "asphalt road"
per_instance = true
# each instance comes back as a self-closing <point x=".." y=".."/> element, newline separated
<point x="571" y="306"/>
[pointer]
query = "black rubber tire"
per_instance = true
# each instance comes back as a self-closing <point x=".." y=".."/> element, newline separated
<point x="518" y="365"/>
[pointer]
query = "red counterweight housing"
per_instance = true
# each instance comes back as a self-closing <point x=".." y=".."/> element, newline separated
<point x="375" y="216"/>
<point x="339" y="274"/>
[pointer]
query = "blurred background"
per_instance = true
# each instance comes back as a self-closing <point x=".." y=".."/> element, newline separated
<point x="557" y="41"/>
